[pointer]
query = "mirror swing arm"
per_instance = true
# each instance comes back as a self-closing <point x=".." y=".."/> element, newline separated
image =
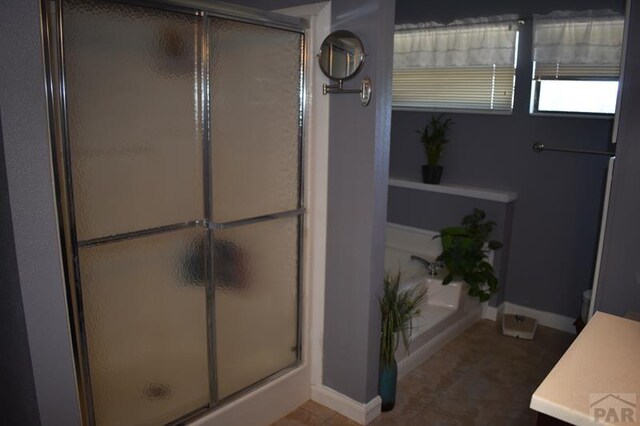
<point x="364" y="91"/>
<point x="341" y="57"/>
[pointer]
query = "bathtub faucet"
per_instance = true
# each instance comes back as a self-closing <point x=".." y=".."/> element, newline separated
<point x="432" y="267"/>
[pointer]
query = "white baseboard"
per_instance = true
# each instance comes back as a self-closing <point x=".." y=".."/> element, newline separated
<point x="358" y="412"/>
<point x="420" y="355"/>
<point x="544" y="318"/>
<point x="547" y="319"/>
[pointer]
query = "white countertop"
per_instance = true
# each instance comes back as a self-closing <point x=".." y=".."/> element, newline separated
<point x="600" y="371"/>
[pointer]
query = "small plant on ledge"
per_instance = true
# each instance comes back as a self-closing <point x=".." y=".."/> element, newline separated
<point x="434" y="137"/>
<point x="464" y="253"/>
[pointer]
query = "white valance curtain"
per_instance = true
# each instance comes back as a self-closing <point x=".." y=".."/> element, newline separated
<point x="465" y="43"/>
<point x="589" y="38"/>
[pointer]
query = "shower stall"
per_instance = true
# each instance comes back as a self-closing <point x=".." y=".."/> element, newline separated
<point x="178" y="154"/>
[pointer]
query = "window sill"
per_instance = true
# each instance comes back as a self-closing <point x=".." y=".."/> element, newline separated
<point x="573" y="115"/>
<point x="459" y="190"/>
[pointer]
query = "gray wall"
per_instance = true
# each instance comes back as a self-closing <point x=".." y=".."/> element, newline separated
<point x="556" y="216"/>
<point x="18" y="404"/>
<point x="25" y="137"/>
<point x="619" y="286"/>
<point x="357" y="196"/>
<point x="357" y="199"/>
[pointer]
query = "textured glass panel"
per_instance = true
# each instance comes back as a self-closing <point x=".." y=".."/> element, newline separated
<point x="145" y="317"/>
<point x="255" y="111"/>
<point x="256" y="271"/>
<point x="134" y="131"/>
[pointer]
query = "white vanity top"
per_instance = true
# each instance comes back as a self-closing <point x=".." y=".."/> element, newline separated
<point x="600" y="371"/>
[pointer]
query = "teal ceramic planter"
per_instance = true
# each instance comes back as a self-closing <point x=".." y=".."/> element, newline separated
<point x="387" y="385"/>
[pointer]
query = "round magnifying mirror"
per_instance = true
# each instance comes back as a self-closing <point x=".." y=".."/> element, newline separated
<point x="341" y="55"/>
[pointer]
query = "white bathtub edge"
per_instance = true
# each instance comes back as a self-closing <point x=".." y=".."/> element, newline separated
<point x="421" y="231"/>
<point x="420" y="355"/>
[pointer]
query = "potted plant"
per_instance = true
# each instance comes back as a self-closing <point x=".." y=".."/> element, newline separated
<point x="433" y="138"/>
<point x="398" y="308"/>
<point x="464" y="253"/>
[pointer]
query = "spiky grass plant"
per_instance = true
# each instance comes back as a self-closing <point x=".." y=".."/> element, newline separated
<point x="398" y="308"/>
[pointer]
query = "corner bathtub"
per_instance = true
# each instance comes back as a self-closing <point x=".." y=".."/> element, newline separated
<point x="447" y="310"/>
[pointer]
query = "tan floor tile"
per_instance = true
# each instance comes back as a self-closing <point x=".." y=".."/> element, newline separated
<point x="299" y="417"/>
<point x="436" y="417"/>
<point x="393" y="418"/>
<point x="480" y="378"/>
<point x="318" y="409"/>
<point x="340" y="420"/>
<point x="442" y="370"/>
<point x="409" y="405"/>
<point x="554" y="340"/>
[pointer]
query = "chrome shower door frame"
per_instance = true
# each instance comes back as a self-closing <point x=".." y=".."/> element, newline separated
<point x="52" y="36"/>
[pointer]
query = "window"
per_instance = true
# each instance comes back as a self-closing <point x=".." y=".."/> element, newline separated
<point x="581" y="96"/>
<point x="468" y="65"/>
<point x="576" y="62"/>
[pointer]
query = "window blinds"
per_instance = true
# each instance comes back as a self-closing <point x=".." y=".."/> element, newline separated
<point x="577" y="45"/>
<point x="467" y="66"/>
<point x="575" y="71"/>
<point x="488" y="87"/>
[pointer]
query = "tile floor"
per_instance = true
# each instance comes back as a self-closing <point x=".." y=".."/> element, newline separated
<point x="480" y="378"/>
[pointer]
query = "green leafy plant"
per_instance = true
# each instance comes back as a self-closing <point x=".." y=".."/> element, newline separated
<point x="464" y="253"/>
<point x="434" y="136"/>
<point x="398" y="308"/>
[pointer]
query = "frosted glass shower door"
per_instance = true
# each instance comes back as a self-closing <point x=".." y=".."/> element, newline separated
<point x="179" y="144"/>
<point x="135" y="159"/>
<point x="256" y="103"/>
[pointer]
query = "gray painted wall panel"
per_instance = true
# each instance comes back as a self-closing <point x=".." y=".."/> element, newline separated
<point x="619" y="286"/>
<point x="18" y="404"/>
<point x="557" y="213"/>
<point x="28" y="166"/>
<point x="358" y="175"/>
